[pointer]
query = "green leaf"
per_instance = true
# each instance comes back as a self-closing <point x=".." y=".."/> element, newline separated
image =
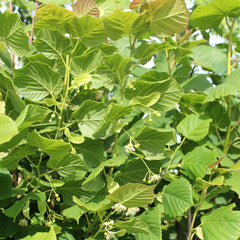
<point x="93" y="202"/>
<point x="11" y="160"/>
<point x="145" y="51"/>
<point x="152" y="218"/>
<point x="12" y="32"/>
<point x="133" y="195"/>
<point x="74" y="212"/>
<point x="37" y="80"/>
<point x="16" y="208"/>
<point x="169" y="17"/>
<point x="211" y="58"/>
<point x="55" y="2"/>
<point x="233" y="182"/>
<point x="194" y="127"/>
<point x="89" y="7"/>
<point x="71" y="167"/>
<point x="6" y="184"/>
<point x="223" y="223"/>
<point x="196" y="83"/>
<point x="120" y="23"/>
<point x="112" y="162"/>
<point x="117" y="111"/>
<point x="195" y="164"/>
<point x="135" y="170"/>
<point x="52" y="43"/>
<point x="81" y="79"/>
<point x="91" y="152"/>
<point x="145" y="101"/>
<point x="54" y="148"/>
<point x="8" y="128"/>
<point x="89" y="30"/>
<point x="153" y="81"/>
<point x="133" y="226"/>
<point x="31" y="114"/>
<point x="90" y="115"/>
<point x="113" y="69"/>
<point x="45" y="236"/>
<point x="212" y="14"/>
<point x="55" y="15"/>
<point x="6" y="83"/>
<point x="177" y="197"/>
<point x="152" y="142"/>
<point x="74" y="138"/>
<point x="230" y="86"/>
<point x="109" y="6"/>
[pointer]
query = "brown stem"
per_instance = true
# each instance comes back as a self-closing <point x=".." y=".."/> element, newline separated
<point x="33" y="21"/>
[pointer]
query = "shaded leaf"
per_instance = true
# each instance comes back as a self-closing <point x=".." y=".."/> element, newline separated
<point x="71" y="167"/>
<point x="31" y="114"/>
<point x="90" y="115"/>
<point x="6" y="184"/>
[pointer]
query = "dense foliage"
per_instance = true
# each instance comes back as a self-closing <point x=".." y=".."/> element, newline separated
<point x="96" y="145"/>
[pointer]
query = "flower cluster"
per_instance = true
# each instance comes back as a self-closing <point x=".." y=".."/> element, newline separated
<point x="108" y="225"/>
<point x="119" y="207"/>
<point x="155" y="178"/>
<point x="3" y="154"/>
<point x="132" y="211"/>
<point x="109" y="235"/>
<point x="131" y="148"/>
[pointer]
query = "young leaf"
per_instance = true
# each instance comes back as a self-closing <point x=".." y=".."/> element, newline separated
<point x="89" y="7"/>
<point x="74" y="212"/>
<point x="37" y="80"/>
<point x="133" y="195"/>
<point x="8" y="128"/>
<point x="177" y="197"/>
<point x="222" y="223"/>
<point x="194" y="127"/>
<point x="74" y="138"/>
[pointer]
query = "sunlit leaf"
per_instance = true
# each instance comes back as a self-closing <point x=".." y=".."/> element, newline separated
<point x="37" y="80"/>
<point x="222" y="223"/>
<point x="177" y="197"/>
<point x="133" y="195"/>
